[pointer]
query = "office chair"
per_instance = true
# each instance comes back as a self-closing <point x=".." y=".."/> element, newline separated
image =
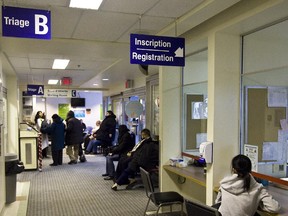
<point x="159" y="199"/>
<point x="196" y="208"/>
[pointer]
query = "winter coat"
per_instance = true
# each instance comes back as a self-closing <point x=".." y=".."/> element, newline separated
<point x="108" y="126"/>
<point x="238" y="202"/>
<point x="74" y="131"/>
<point x="146" y="156"/>
<point x="57" y="131"/>
<point x="125" y="142"/>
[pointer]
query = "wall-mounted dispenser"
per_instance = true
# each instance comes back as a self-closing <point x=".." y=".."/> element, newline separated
<point x="206" y="151"/>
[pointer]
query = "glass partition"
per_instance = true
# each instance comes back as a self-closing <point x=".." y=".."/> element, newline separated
<point x="195" y="112"/>
<point x="265" y="99"/>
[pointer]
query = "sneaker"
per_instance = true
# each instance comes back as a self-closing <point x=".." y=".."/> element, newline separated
<point x="105" y="174"/>
<point x="52" y="164"/>
<point x="72" y="162"/>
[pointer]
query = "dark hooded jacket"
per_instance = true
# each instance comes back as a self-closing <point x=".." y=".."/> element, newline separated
<point x="108" y="126"/>
<point x="57" y="131"/>
<point x="125" y="142"/>
<point x="74" y="130"/>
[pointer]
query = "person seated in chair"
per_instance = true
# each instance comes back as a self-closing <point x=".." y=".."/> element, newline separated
<point x="146" y="155"/>
<point x="240" y="194"/>
<point x="125" y="144"/>
<point x="105" y="134"/>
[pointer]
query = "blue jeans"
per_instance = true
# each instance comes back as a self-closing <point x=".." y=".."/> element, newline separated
<point x="93" y="145"/>
<point x="110" y="168"/>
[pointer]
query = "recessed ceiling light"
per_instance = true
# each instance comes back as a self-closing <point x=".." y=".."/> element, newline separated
<point x="86" y="4"/>
<point x="60" y="63"/>
<point x="52" y="82"/>
<point x="105" y="79"/>
<point x="95" y="84"/>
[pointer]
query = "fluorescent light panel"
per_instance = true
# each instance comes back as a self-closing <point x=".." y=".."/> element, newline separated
<point x="86" y="4"/>
<point x="105" y="79"/>
<point x="52" y="82"/>
<point x="60" y="63"/>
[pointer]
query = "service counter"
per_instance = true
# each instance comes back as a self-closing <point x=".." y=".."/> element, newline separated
<point x="195" y="176"/>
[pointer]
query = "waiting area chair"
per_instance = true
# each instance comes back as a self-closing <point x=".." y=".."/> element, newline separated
<point x="198" y="209"/>
<point x="159" y="199"/>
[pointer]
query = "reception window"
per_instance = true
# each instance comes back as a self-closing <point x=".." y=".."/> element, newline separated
<point x="265" y="99"/>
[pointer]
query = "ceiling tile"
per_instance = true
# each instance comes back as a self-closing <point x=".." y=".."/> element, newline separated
<point x="19" y="62"/>
<point x="173" y="8"/>
<point x="104" y="26"/>
<point x="64" y="21"/>
<point x="128" y="6"/>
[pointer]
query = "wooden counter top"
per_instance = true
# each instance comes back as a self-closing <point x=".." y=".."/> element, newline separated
<point x="192" y="173"/>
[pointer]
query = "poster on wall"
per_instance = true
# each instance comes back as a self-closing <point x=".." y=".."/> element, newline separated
<point x="63" y="109"/>
<point x="277" y="97"/>
<point x="79" y="113"/>
<point x="251" y="151"/>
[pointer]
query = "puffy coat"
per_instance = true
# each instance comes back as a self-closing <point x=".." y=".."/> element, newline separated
<point x="57" y="131"/>
<point x="74" y="130"/>
<point x="108" y="126"/>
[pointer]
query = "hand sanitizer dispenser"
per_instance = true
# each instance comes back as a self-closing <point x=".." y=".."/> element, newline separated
<point x="206" y="151"/>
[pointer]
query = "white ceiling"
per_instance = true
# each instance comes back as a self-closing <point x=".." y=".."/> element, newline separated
<point x="97" y="42"/>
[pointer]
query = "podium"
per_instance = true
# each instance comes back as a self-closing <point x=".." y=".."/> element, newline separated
<point x="28" y="149"/>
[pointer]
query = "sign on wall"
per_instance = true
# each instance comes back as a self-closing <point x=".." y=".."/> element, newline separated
<point x="26" y="23"/>
<point x="35" y="89"/>
<point x="59" y="93"/>
<point x="157" y="50"/>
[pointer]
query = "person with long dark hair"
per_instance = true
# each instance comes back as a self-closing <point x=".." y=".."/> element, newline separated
<point x="40" y="121"/>
<point x="241" y="195"/>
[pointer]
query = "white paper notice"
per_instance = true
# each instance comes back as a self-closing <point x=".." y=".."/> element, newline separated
<point x="277" y="97"/>
<point x="251" y="151"/>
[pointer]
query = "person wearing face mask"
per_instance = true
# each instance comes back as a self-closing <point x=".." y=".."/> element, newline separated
<point x="144" y="154"/>
<point x="104" y="135"/>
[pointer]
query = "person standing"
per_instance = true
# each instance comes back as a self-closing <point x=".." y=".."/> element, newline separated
<point x="40" y="121"/>
<point x="57" y="131"/>
<point x="73" y="137"/>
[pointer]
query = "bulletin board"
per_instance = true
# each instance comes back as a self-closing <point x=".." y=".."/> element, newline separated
<point x="262" y="121"/>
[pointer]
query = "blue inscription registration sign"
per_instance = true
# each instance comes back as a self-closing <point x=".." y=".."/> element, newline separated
<point x="157" y="50"/>
<point x="26" y="23"/>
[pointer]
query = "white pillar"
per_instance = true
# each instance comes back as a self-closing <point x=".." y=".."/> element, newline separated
<point x="223" y="106"/>
<point x="13" y="118"/>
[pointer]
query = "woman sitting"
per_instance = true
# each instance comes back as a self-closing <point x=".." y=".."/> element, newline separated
<point x="241" y="195"/>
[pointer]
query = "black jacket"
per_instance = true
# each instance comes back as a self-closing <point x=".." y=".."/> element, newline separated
<point x="74" y="131"/>
<point x="146" y="156"/>
<point x="108" y="126"/>
<point x="125" y="143"/>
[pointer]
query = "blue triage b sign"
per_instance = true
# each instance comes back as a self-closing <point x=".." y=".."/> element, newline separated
<point x="157" y="50"/>
<point x="26" y="23"/>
